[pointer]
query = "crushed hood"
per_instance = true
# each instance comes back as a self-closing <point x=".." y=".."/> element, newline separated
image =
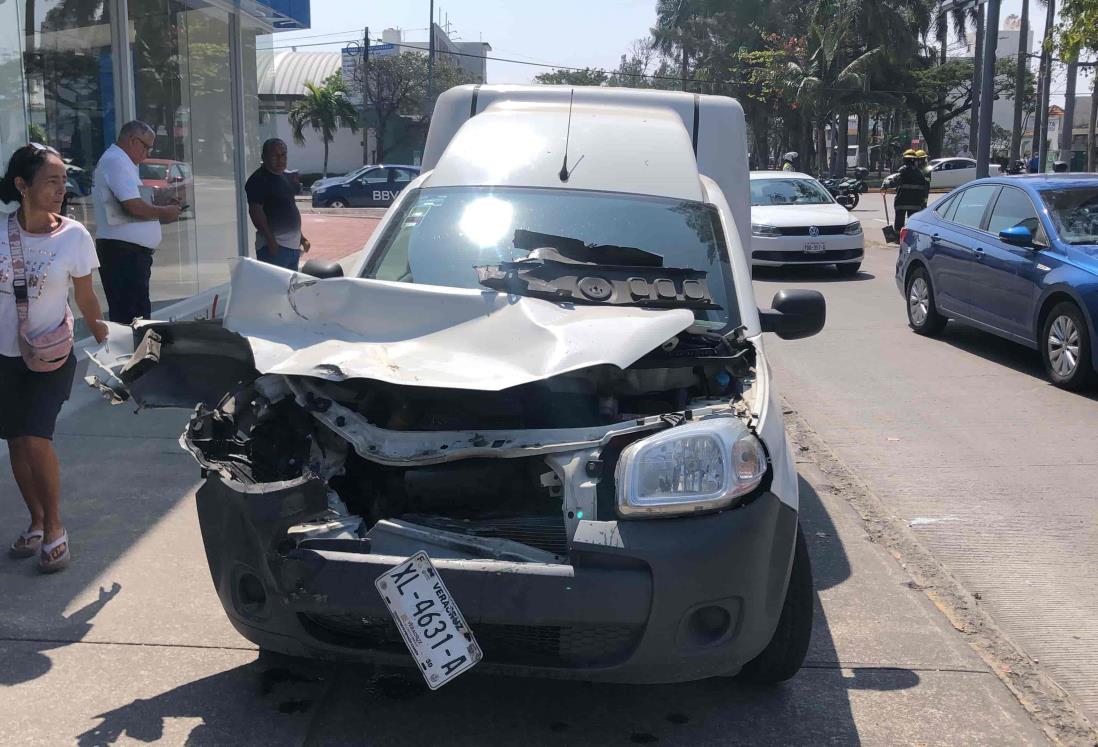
<point x="431" y="336"/>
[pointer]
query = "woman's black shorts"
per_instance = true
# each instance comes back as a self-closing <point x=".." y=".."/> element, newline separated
<point x="30" y="401"/>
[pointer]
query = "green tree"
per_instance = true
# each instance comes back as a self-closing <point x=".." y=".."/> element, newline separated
<point x="823" y="83"/>
<point x="934" y="110"/>
<point x="324" y="108"/>
<point x="589" y="76"/>
<point x="395" y="86"/>
<point x="1078" y="33"/>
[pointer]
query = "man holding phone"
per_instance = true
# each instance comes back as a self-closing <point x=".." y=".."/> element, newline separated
<point x="127" y="225"/>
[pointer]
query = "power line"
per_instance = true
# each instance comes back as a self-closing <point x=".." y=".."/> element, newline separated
<point x="649" y="76"/>
<point x="511" y="61"/>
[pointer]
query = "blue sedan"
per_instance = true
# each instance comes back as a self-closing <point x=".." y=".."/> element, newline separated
<point x="1015" y="256"/>
<point x="370" y="186"/>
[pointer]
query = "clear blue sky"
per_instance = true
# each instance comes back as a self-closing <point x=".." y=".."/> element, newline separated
<point x="576" y="33"/>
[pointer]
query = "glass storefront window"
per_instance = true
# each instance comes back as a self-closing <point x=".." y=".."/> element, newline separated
<point x="69" y="89"/>
<point x="65" y="68"/>
<point x="182" y="87"/>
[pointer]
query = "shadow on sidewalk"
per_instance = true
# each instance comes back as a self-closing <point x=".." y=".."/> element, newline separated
<point x="395" y="707"/>
<point x="120" y="475"/>
<point x="23" y="664"/>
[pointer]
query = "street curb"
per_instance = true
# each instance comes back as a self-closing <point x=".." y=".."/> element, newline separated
<point x="368" y="213"/>
<point x="1047" y="704"/>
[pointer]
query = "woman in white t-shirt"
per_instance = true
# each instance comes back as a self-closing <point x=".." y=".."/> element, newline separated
<point x="55" y="250"/>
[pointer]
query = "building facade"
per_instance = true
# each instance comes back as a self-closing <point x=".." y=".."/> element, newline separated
<point x="73" y="71"/>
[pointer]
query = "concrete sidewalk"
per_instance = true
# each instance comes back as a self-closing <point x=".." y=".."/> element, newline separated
<point x="131" y="644"/>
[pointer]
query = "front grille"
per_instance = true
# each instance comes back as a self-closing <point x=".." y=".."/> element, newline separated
<point x="803" y="230"/>
<point x="523" y="645"/>
<point x="543" y="532"/>
<point x="828" y="255"/>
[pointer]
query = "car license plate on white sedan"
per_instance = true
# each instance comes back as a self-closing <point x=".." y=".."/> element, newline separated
<point x="429" y="620"/>
<point x="813" y="247"/>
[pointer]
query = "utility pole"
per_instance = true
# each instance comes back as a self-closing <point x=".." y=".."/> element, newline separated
<point x="1069" y="114"/>
<point x="977" y="81"/>
<point x="1041" y="148"/>
<point x="991" y="42"/>
<point x="365" y="96"/>
<point x="1020" y="84"/>
<point x="430" y="61"/>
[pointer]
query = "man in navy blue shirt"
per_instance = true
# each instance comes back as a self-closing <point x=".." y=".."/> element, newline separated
<point x="273" y="210"/>
<point x="1034" y="164"/>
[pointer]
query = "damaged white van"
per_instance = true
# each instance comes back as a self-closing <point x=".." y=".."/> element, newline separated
<point x="546" y="374"/>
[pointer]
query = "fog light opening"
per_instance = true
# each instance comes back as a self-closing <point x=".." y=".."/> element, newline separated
<point x="707" y="625"/>
<point x="251" y="593"/>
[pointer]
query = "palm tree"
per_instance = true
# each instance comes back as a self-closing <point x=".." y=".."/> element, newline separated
<point x="822" y="83"/>
<point x="324" y="108"/>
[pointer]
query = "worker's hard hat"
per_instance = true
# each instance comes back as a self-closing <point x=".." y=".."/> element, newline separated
<point x="920" y="153"/>
<point x="909" y="153"/>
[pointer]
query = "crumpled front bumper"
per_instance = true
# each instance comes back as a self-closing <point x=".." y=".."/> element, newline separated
<point x="640" y="601"/>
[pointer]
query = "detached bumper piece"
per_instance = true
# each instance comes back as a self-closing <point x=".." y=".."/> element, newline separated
<point x="632" y="603"/>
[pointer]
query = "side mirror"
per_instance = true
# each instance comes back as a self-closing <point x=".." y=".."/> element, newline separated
<point x="845" y="201"/>
<point x="794" y="314"/>
<point x="318" y="268"/>
<point x="1016" y="236"/>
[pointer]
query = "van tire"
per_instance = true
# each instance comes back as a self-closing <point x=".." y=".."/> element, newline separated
<point x="849" y="269"/>
<point x="783" y="656"/>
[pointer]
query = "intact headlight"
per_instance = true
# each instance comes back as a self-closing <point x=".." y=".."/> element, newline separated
<point x="853" y="229"/>
<point x="699" y="466"/>
<point x="761" y="229"/>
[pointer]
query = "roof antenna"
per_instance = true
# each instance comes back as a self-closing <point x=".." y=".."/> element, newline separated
<point x="568" y="134"/>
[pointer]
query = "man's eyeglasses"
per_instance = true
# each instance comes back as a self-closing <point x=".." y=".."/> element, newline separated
<point x="148" y="146"/>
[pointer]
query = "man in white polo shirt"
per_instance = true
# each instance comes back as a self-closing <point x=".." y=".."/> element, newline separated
<point x="127" y="227"/>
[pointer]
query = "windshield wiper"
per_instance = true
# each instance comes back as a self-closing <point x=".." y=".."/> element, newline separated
<point x="568" y="270"/>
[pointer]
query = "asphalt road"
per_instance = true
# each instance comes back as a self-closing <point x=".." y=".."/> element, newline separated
<point x="962" y="437"/>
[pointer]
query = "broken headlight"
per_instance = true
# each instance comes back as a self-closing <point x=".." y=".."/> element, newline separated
<point x="698" y="466"/>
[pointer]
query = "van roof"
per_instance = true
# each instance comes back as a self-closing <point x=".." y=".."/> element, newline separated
<point x="612" y="149"/>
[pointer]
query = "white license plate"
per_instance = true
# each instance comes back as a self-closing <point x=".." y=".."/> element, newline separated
<point x="429" y="620"/>
<point x="813" y="247"/>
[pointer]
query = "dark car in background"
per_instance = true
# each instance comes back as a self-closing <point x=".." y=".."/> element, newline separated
<point x="376" y="186"/>
<point x="1015" y="256"/>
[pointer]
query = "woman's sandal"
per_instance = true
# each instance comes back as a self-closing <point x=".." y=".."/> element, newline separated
<point x="27" y="545"/>
<point x="55" y="556"/>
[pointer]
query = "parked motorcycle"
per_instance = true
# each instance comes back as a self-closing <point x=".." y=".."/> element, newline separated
<point x="849" y="186"/>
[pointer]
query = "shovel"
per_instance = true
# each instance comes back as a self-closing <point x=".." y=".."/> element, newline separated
<point x="889" y="230"/>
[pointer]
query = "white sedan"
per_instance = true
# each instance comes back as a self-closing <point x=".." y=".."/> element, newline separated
<point x="947" y="173"/>
<point x="796" y="221"/>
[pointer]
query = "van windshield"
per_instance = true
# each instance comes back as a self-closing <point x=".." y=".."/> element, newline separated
<point x="442" y="234"/>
